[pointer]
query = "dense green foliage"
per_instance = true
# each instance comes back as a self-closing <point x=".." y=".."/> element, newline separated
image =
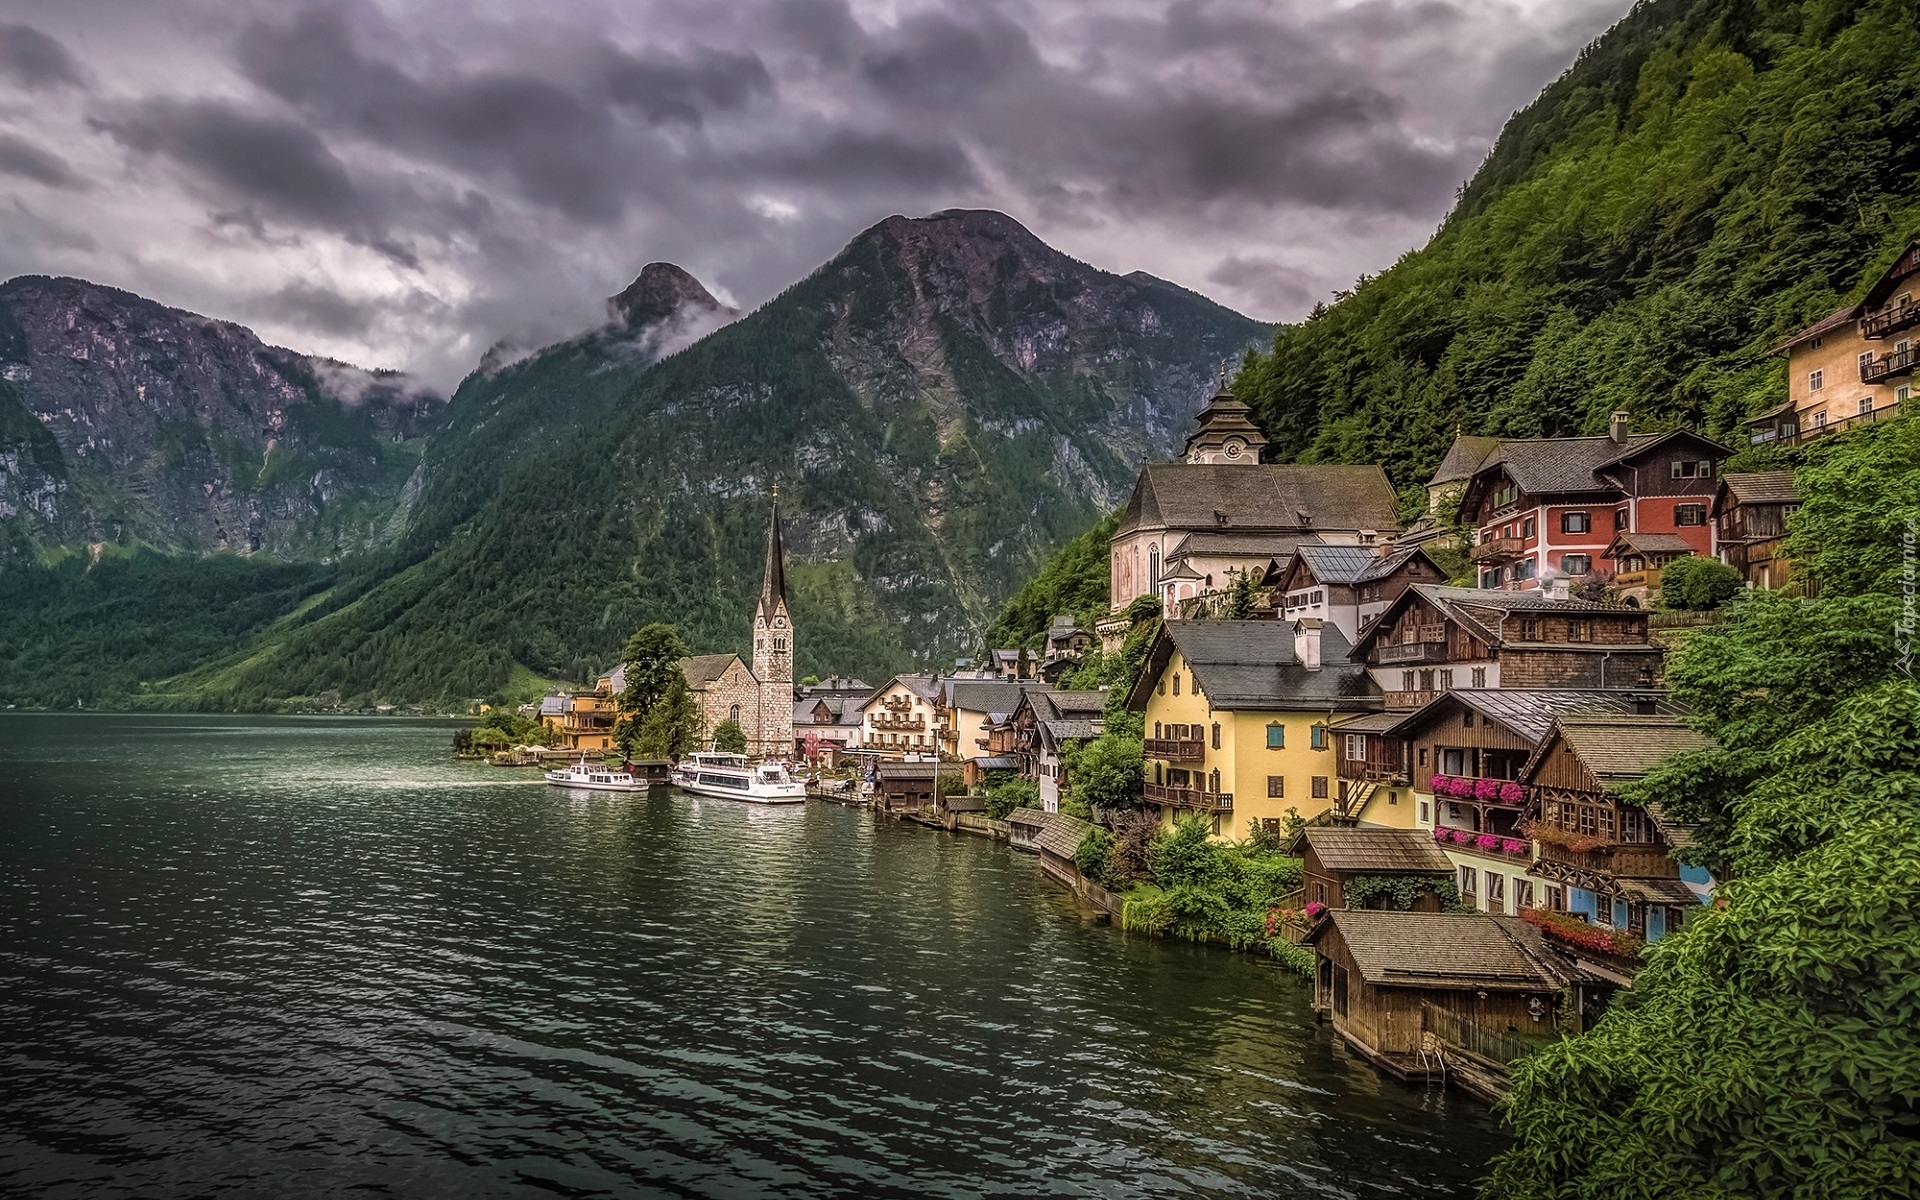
<point x="94" y="634"/>
<point x="729" y="737"/>
<point x="651" y="658"/>
<point x="502" y="728"/>
<point x="1769" y="1048"/>
<point x="671" y="729"/>
<point x="1711" y="175"/>
<point x="1210" y="890"/>
<point x="1695" y="584"/>
<point x="1006" y="796"/>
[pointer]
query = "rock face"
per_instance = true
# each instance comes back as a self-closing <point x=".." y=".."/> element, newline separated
<point x="122" y="420"/>
<point x="941" y="406"/>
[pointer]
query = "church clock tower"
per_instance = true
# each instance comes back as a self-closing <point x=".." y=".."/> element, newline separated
<point x="772" y="735"/>
<point x="1227" y="434"/>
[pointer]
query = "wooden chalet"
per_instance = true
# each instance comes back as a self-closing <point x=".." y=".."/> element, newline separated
<point x="1349" y="585"/>
<point x="1333" y="856"/>
<point x="1638" y="559"/>
<point x="1750" y="524"/>
<point x="907" y="787"/>
<point x="1470" y="990"/>
<point x="1436" y="639"/>
<point x="1611" y="863"/>
<point x="1374" y="768"/>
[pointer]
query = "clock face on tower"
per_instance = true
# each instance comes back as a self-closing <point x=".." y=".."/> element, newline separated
<point x="1234" y="447"/>
<point x="779" y="622"/>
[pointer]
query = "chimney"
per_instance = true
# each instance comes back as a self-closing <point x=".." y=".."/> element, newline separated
<point x="1556" y="588"/>
<point x="1386" y="546"/>
<point x="1306" y="642"/>
<point x="1617" y="428"/>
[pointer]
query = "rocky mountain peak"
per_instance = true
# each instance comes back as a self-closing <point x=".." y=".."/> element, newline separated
<point x="661" y="292"/>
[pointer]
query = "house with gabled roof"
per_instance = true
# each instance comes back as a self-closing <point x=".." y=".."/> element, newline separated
<point x="1750" y="510"/>
<point x="1236" y="719"/>
<point x="1252" y="514"/>
<point x="902" y="719"/>
<point x="1433" y="639"/>
<point x="1333" y="856"/>
<point x="1545" y="510"/>
<point x="1350" y="585"/>
<point x="1616" y="865"/>
<point x="1852" y="367"/>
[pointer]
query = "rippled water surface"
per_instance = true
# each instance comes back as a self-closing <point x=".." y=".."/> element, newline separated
<point x="314" y="956"/>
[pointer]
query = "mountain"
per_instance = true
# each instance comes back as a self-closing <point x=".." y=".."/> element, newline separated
<point x="1709" y="176"/>
<point x="124" y="421"/>
<point x="509" y="411"/>
<point x="940" y="406"/>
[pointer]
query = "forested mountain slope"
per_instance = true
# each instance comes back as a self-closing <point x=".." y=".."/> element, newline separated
<point x="941" y="406"/>
<point x="1710" y="175"/>
<point x="124" y="421"/>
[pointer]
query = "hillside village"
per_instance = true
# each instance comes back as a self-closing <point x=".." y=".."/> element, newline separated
<point x="1436" y="718"/>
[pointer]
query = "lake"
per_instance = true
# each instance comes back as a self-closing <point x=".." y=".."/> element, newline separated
<point x="310" y="956"/>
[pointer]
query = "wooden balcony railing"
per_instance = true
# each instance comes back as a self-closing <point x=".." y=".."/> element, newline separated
<point x="1498" y="548"/>
<point x="1897" y="362"/>
<point x="887" y="721"/>
<point x="1186" y="797"/>
<point x="1381" y="772"/>
<point x="1405" y="653"/>
<point x="1890" y="320"/>
<point x="1177" y="749"/>
<point x="1410" y="699"/>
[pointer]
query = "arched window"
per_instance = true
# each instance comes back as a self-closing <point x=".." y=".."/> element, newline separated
<point x="779" y="645"/>
<point x="1213" y="781"/>
<point x="1156" y="729"/>
<point x="1153" y="568"/>
<point x="1216" y="735"/>
<point x="733" y="714"/>
<point x="1176" y="683"/>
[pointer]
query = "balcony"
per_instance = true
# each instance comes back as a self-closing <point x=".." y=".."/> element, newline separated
<point x="1468" y="789"/>
<point x="1792" y="435"/>
<point x="1410" y="699"/>
<point x="1513" y="849"/>
<point x="1636" y="579"/>
<point x="1388" y="773"/>
<point x="1499" y="549"/>
<point x="1890" y="320"/>
<point x="1177" y="749"/>
<point x="1186" y="797"/>
<point x="1396" y="654"/>
<point x="1887" y="366"/>
<point x="891" y="722"/>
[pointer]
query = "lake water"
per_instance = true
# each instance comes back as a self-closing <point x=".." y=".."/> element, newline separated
<point x="301" y="957"/>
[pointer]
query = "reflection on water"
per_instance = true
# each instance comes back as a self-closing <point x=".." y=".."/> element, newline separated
<point x="312" y="955"/>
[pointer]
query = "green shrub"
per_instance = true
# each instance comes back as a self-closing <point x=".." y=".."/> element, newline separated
<point x="1695" y="584"/>
<point x="1091" y="855"/>
<point x="1014" y="793"/>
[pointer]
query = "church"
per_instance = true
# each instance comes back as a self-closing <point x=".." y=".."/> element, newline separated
<point x="759" y="697"/>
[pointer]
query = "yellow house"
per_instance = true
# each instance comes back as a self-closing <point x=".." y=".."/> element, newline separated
<point x="584" y="720"/>
<point x="1238" y="721"/>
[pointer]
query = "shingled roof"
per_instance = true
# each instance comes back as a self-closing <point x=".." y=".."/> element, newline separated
<point x="703" y="669"/>
<point x="987" y="695"/>
<point x="1061" y="835"/>
<point x="1371" y="849"/>
<point x="1480" y="612"/>
<point x="1251" y="664"/>
<point x="1649" y="543"/>
<point x="1558" y="466"/>
<point x="1761" y="487"/>
<point x="1267" y="497"/>
<point x="1438" y="950"/>
<point x="1531" y="712"/>
<point x="1463" y="458"/>
<point x="1241" y="545"/>
<point x="1626" y="746"/>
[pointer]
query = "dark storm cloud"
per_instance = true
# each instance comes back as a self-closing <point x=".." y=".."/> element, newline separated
<point x="36" y="61"/>
<point x="274" y="163"/>
<point x="21" y="157"/>
<point x="508" y="165"/>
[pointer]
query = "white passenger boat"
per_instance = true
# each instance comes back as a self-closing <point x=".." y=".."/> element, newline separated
<point x="716" y="773"/>
<point x="596" y="779"/>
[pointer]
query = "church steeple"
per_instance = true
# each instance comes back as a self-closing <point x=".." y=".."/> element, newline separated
<point x="772" y="736"/>
<point x="1227" y="433"/>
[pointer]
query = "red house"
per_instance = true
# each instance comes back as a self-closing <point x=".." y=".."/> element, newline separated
<point x="1548" y="509"/>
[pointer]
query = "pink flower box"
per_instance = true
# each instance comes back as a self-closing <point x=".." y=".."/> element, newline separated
<point x="1487" y="841"/>
<point x="1512" y="793"/>
<point x="1315" y="909"/>
<point x="1441" y="835"/>
<point x="1462" y="836"/>
<point x="1486" y="789"/>
<point x="1515" y="846"/>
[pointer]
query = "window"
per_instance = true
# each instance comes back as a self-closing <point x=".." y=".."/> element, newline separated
<point x="1317" y="737"/>
<point x="1866" y="406"/>
<point x="1426" y="812"/>
<point x="1162" y="689"/>
<point x="1491" y="579"/>
<point x="1216" y="735"/>
<point x="1692" y="469"/>
<point x="1270" y="824"/>
<point x="1576" y="564"/>
<point x="1496" y="892"/>
<point x="1689" y="514"/>
<point x="1619" y="519"/>
<point x="1319" y="787"/>
<point x="1453" y="762"/>
<point x="1406" y="681"/>
<point x="1156" y="729"/>
<point x="1580" y="630"/>
<point x="1820" y="419"/>
<point x="1817" y="343"/>
<point x="1466" y="719"/>
<point x="1423" y="756"/>
<point x="1866" y="364"/>
<point x="733" y="714"/>
<point x="1276" y="736"/>
<point x="1356" y="747"/>
<point x="1153" y="569"/>
<point x="1526" y="568"/>
<point x="1902" y="393"/>
<point x="1446" y="679"/>
<point x="1469" y="883"/>
<point x="1816" y="380"/>
<point x="1522" y="894"/>
<point x="1276" y="787"/>
<point x="1529" y="629"/>
<point x="1527" y="528"/>
<point x="1479" y="677"/>
<point x="1576" y="522"/>
<point x="1176" y="683"/>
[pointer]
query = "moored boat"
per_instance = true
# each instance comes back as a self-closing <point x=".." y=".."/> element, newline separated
<point x="596" y="779"/>
<point x="731" y="776"/>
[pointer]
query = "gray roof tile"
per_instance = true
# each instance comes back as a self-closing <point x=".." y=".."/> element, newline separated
<point x="1438" y="950"/>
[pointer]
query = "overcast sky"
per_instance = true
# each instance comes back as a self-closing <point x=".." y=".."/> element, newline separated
<point x="403" y="184"/>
